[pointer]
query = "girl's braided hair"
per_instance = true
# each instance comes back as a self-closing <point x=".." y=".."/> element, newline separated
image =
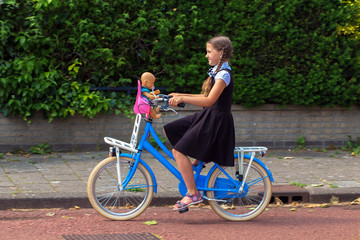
<point x="219" y="43"/>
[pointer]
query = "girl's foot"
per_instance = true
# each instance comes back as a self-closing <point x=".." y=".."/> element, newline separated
<point x="188" y="200"/>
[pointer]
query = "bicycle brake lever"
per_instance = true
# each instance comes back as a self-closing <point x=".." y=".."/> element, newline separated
<point x="174" y="111"/>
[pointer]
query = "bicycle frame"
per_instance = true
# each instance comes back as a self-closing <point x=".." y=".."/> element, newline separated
<point x="200" y="180"/>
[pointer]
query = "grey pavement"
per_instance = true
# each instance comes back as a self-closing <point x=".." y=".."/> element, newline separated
<point x="59" y="180"/>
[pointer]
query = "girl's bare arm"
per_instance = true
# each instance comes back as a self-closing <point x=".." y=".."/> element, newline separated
<point x="200" y="99"/>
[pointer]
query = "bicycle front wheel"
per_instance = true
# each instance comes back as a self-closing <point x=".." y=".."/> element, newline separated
<point x="235" y="205"/>
<point x="107" y="197"/>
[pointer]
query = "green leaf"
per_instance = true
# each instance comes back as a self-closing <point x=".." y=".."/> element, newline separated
<point x="30" y="66"/>
<point x="153" y="222"/>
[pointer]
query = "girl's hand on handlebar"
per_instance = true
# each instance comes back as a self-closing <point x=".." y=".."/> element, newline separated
<point x="175" y="100"/>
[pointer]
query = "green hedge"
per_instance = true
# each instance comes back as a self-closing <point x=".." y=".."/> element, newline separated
<point x="286" y="51"/>
<point x="289" y="52"/>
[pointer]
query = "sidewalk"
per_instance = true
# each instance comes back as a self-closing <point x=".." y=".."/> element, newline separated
<point x="59" y="180"/>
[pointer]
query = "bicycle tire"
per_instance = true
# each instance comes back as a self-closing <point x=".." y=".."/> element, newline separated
<point x="243" y="206"/>
<point x="111" y="202"/>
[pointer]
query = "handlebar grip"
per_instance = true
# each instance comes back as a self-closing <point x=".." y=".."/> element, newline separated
<point x="182" y="105"/>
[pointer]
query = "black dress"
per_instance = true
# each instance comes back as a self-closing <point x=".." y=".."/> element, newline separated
<point x="208" y="135"/>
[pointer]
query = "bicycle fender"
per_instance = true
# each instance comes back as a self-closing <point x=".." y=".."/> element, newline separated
<point x="245" y="156"/>
<point x="147" y="168"/>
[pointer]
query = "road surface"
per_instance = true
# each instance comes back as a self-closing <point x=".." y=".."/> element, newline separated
<point x="285" y="222"/>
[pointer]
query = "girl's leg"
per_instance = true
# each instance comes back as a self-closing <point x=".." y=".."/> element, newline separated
<point x="186" y="171"/>
<point x="195" y="162"/>
<point x="185" y="168"/>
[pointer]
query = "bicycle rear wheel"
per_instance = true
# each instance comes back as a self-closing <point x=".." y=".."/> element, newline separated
<point x="109" y="200"/>
<point x="244" y="205"/>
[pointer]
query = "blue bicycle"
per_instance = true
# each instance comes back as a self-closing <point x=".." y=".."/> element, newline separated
<point x="122" y="186"/>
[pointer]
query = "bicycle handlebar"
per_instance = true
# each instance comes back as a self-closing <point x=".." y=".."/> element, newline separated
<point x="182" y="105"/>
<point x="165" y="98"/>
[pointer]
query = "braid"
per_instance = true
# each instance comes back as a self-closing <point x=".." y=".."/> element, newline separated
<point x="221" y="61"/>
<point x="210" y="81"/>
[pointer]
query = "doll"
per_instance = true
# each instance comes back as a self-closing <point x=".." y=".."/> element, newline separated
<point x="147" y="83"/>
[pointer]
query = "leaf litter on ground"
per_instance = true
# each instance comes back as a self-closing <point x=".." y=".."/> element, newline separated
<point x="153" y="222"/>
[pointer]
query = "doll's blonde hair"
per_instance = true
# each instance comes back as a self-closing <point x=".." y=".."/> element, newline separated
<point x="219" y="43"/>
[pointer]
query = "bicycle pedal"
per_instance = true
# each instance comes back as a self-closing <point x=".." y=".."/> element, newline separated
<point x="184" y="210"/>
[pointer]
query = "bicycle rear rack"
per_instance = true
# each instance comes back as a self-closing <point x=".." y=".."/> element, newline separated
<point x="261" y="150"/>
<point x="240" y="152"/>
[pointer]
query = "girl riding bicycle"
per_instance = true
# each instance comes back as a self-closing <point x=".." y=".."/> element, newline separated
<point x="238" y="185"/>
<point x="208" y="135"/>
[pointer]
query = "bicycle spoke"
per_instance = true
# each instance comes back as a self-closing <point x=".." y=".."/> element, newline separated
<point x="119" y="204"/>
<point x="244" y="205"/>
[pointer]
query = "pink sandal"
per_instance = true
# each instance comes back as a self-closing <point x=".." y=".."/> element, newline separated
<point x="195" y="199"/>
